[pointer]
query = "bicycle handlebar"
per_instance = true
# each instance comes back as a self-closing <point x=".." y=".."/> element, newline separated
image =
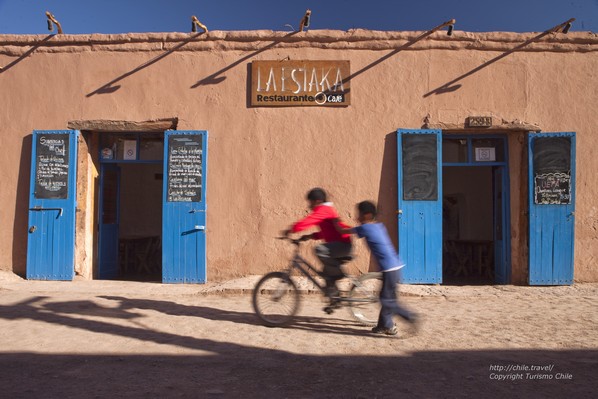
<point x="294" y="241"/>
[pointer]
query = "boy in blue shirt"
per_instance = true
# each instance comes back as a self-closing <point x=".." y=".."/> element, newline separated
<point x="389" y="262"/>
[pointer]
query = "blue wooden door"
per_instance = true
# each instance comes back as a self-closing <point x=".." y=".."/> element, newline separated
<point x="109" y="221"/>
<point x="419" y="191"/>
<point x="52" y="205"/>
<point x="184" y="207"/>
<point x="551" y="208"/>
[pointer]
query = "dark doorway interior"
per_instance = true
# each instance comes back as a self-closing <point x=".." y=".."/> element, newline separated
<point x="468" y="223"/>
<point x="140" y="227"/>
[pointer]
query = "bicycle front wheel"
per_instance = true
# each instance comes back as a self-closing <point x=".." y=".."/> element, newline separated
<point x="365" y="298"/>
<point x="276" y="299"/>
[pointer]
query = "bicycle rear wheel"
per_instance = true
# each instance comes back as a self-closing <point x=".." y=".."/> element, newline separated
<point x="276" y="299"/>
<point x="365" y="298"/>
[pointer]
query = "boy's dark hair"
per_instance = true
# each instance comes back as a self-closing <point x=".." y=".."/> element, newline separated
<point x="365" y="207"/>
<point x="316" y="194"/>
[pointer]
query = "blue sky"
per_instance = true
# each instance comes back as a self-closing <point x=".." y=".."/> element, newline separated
<point x="122" y="16"/>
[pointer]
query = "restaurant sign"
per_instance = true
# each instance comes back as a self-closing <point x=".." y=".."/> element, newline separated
<point x="300" y="83"/>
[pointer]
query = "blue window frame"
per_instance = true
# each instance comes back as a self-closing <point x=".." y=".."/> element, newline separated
<point x="137" y="147"/>
<point x="474" y="150"/>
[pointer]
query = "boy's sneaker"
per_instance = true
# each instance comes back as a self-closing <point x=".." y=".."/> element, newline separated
<point x="385" y="331"/>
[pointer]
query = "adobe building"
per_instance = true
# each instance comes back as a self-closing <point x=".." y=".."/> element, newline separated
<point x="180" y="157"/>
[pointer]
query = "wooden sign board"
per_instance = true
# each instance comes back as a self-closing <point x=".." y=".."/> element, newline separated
<point x="300" y="83"/>
<point x="552" y="188"/>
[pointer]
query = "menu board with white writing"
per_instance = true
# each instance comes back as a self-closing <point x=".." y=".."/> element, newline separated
<point x="184" y="168"/>
<point x="552" y="170"/>
<point x="52" y="166"/>
<point x="552" y="188"/>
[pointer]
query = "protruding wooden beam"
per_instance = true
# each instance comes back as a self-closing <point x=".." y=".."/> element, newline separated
<point x="105" y="125"/>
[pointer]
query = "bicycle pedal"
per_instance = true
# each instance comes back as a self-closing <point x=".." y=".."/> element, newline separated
<point x="335" y="304"/>
<point x="329" y="309"/>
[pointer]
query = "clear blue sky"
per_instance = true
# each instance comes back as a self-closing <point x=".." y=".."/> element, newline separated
<point x="122" y="16"/>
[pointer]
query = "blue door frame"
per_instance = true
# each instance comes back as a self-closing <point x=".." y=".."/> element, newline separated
<point x="52" y="205"/>
<point x="109" y="204"/>
<point x="501" y="200"/>
<point x="184" y="207"/>
<point x="420" y="219"/>
<point x="551" y="208"/>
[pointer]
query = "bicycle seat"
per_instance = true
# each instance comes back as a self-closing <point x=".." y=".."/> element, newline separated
<point x="345" y="259"/>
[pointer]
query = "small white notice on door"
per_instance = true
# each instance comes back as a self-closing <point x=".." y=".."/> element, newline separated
<point x="485" y="154"/>
<point x="130" y="150"/>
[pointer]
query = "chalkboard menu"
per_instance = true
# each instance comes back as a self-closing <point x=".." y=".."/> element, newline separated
<point x="552" y="188"/>
<point x="552" y="154"/>
<point x="184" y="168"/>
<point x="420" y="167"/>
<point x="52" y="166"/>
<point x="552" y="170"/>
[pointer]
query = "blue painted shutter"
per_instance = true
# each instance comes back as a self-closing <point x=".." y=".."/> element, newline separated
<point x="420" y="204"/>
<point x="551" y="208"/>
<point x="184" y="207"/>
<point x="52" y="205"/>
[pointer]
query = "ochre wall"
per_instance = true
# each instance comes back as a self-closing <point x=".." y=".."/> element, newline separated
<point x="263" y="160"/>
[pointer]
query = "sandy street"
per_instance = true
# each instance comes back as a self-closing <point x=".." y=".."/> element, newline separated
<point x="116" y="340"/>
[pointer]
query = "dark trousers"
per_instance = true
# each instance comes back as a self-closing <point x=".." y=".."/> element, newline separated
<point x="328" y="253"/>
<point x="390" y="301"/>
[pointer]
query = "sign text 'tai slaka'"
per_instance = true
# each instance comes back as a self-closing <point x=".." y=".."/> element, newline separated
<point x="300" y="83"/>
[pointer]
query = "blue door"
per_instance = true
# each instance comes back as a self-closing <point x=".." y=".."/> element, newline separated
<point x="420" y="205"/>
<point x="52" y="205"/>
<point x="109" y="221"/>
<point x="551" y="208"/>
<point x="184" y="207"/>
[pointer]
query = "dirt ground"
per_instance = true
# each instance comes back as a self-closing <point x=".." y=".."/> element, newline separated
<point x="95" y="339"/>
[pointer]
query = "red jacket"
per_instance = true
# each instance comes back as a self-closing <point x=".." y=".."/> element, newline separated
<point x="323" y="216"/>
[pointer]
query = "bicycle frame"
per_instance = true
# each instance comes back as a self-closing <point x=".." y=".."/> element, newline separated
<point x="299" y="263"/>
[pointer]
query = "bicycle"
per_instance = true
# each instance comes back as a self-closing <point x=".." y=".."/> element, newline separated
<point x="276" y="297"/>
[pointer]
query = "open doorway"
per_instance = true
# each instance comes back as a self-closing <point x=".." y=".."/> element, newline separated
<point x="130" y="212"/>
<point x="140" y="230"/>
<point x="467" y="226"/>
<point x="474" y="210"/>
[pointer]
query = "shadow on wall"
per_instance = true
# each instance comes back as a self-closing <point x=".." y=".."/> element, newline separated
<point x="215" y="78"/>
<point x="235" y="370"/>
<point x="111" y="88"/>
<point x="451" y="86"/>
<point x="26" y="54"/>
<point x="19" y="242"/>
<point x="387" y="195"/>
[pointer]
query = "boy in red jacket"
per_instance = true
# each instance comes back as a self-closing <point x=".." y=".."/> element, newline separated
<point x="336" y="245"/>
